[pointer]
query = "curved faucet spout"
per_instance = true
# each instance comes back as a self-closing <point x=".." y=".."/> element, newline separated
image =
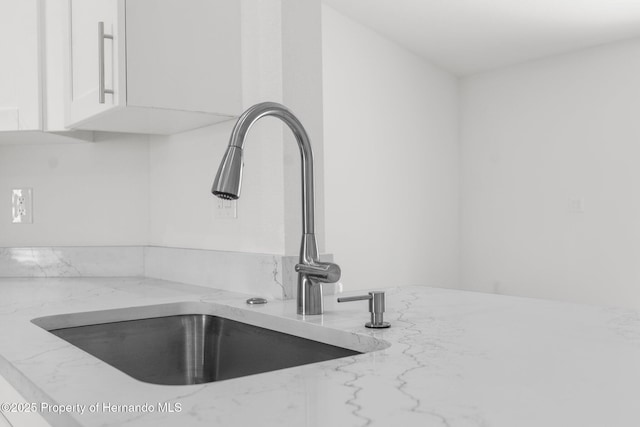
<point x="229" y="177"/>
<point x="311" y="272"/>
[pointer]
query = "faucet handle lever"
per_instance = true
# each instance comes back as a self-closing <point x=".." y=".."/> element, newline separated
<point x="376" y="308"/>
<point x="326" y="272"/>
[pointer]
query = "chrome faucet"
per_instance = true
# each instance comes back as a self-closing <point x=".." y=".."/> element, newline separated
<point x="311" y="271"/>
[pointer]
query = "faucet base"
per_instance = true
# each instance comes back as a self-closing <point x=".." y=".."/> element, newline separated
<point x="378" y="325"/>
<point x="310" y="300"/>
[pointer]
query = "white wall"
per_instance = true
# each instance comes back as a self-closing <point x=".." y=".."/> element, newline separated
<point x="182" y="169"/>
<point x="538" y="141"/>
<point x="277" y="66"/>
<point x="391" y="161"/>
<point x="183" y="166"/>
<point x="93" y="194"/>
<point x="123" y="192"/>
<point x="391" y="125"/>
<point x="549" y="166"/>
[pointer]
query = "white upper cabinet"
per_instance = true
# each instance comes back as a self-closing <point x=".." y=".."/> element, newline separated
<point x="19" y="74"/>
<point x="91" y="55"/>
<point x="153" y="66"/>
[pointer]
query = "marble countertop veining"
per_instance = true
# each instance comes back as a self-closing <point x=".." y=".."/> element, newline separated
<point x="456" y="359"/>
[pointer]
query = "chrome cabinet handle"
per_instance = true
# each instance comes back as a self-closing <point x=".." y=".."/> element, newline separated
<point x="376" y="308"/>
<point x="101" y="36"/>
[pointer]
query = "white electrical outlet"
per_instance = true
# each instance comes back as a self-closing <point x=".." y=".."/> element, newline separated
<point x="22" y="205"/>
<point x="576" y="206"/>
<point x="226" y="209"/>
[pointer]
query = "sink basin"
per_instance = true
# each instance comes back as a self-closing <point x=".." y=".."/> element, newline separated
<point x="194" y="343"/>
<point x="195" y="348"/>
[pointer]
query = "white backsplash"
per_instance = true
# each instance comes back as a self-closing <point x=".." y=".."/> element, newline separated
<point x="255" y="274"/>
<point x="265" y="275"/>
<point x="64" y="261"/>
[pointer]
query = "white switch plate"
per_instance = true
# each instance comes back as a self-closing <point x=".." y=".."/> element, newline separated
<point x="226" y="209"/>
<point x="22" y="205"/>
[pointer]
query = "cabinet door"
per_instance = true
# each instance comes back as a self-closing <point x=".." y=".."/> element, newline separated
<point x="97" y="58"/>
<point x="19" y="74"/>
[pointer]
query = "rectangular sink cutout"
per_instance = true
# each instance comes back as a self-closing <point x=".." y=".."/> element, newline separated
<point x="195" y="348"/>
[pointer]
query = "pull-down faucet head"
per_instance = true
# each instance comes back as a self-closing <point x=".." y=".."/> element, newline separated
<point x="311" y="271"/>
<point x="229" y="177"/>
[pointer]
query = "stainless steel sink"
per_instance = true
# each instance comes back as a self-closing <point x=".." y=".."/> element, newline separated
<point x="195" y="348"/>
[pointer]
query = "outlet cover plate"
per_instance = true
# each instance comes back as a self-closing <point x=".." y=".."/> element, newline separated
<point x="22" y="205"/>
<point x="226" y="209"/>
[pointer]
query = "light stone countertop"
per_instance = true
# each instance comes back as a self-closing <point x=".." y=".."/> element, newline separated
<point x="456" y="359"/>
